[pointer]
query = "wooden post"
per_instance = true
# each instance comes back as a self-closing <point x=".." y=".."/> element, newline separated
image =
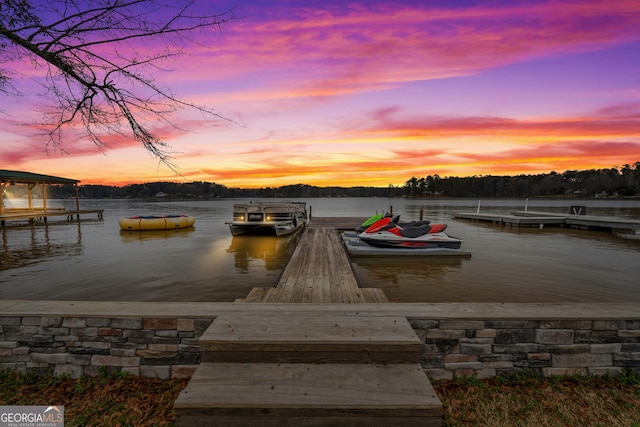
<point x="30" y="196"/>
<point x="3" y="187"/>
<point x="421" y="213"/>
<point x="75" y="186"/>
<point x="43" y="187"/>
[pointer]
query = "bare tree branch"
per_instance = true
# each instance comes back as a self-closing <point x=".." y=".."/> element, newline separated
<point x="96" y="87"/>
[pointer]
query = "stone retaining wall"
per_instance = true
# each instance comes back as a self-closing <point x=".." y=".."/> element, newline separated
<point x="459" y="339"/>
<point x="148" y="347"/>
<point x="487" y="348"/>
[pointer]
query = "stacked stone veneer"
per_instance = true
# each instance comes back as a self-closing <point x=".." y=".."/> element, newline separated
<point x="148" y="347"/>
<point x="487" y="348"/>
<point x="167" y="347"/>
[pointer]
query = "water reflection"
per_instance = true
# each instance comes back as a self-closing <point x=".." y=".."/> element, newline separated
<point x="409" y="279"/>
<point x="391" y="269"/>
<point x="273" y="251"/>
<point x="137" y="236"/>
<point x="31" y="244"/>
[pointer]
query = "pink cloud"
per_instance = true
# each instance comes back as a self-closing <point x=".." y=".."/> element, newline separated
<point x="354" y="48"/>
<point x="616" y="120"/>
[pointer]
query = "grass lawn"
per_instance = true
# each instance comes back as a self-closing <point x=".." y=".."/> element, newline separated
<point x="125" y="400"/>
<point x="535" y="401"/>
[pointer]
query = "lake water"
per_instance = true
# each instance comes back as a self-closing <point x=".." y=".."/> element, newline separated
<point x="93" y="260"/>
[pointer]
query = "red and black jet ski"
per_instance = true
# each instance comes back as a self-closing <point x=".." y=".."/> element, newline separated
<point x="396" y="220"/>
<point x="390" y="233"/>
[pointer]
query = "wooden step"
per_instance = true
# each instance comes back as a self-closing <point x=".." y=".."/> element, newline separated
<point x="309" y="337"/>
<point x="375" y="295"/>
<point x="256" y="294"/>
<point x="304" y="394"/>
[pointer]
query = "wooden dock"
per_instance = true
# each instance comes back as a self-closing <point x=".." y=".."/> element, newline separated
<point x="553" y="219"/>
<point x="32" y="215"/>
<point x="590" y="222"/>
<point x="513" y="220"/>
<point x="319" y="271"/>
<point x="270" y="367"/>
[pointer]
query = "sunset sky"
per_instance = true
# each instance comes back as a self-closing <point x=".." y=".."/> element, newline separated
<point x="371" y="93"/>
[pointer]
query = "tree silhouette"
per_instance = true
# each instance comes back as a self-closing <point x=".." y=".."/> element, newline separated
<point x="98" y="57"/>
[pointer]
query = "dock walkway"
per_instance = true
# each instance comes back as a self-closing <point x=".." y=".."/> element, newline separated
<point x="35" y="214"/>
<point x="541" y="219"/>
<point x="590" y="221"/>
<point x="271" y="367"/>
<point x="319" y="271"/>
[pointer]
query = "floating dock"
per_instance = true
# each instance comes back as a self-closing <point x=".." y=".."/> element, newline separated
<point x="357" y="248"/>
<point x="543" y="219"/>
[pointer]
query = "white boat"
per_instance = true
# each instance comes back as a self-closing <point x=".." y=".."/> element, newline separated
<point x="274" y="218"/>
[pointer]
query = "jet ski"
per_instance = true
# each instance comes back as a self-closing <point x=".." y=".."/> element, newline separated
<point x="388" y="232"/>
<point x="396" y="220"/>
<point x="370" y="221"/>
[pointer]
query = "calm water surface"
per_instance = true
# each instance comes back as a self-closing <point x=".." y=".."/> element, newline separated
<point x="94" y="260"/>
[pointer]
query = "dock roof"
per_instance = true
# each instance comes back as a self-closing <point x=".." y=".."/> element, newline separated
<point x="33" y="178"/>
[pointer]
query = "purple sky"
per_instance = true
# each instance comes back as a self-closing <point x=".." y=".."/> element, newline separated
<point x="375" y="92"/>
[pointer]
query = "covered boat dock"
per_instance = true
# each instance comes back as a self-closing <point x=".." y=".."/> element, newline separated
<point x="9" y="178"/>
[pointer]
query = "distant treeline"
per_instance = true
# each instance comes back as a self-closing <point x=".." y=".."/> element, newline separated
<point x="614" y="182"/>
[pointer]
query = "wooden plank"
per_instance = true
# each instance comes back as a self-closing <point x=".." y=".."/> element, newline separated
<point x="257" y="295"/>
<point x="35" y="214"/>
<point x="292" y="394"/>
<point x="314" y="282"/>
<point x="324" y="279"/>
<point x="343" y="259"/>
<point x="336" y="223"/>
<point x="305" y="275"/>
<point x="325" y="283"/>
<point x="334" y="283"/>
<point x="374" y="295"/>
<point x="292" y="268"/>
<point x="348" y="286"/>
<point x="314" y="272"/>
<point x="306" y="336"/>
<point x="273" y="295"/>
